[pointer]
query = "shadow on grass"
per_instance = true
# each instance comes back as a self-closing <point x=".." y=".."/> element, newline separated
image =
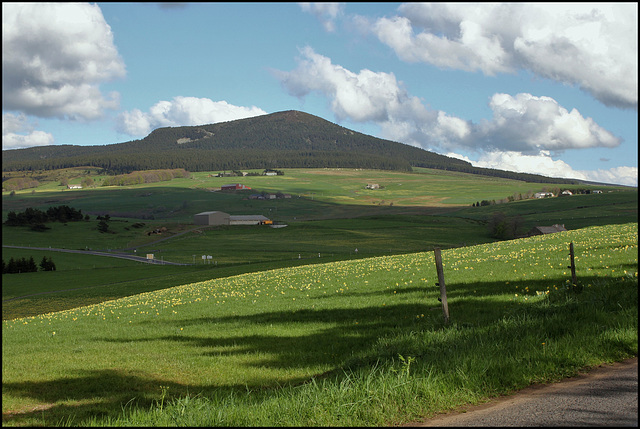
<point x="73" y="399"/>
<point x="356" y="338"/>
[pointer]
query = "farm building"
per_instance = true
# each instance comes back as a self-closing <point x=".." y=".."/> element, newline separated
<point x="222" y="218"/>
<point x="234" y="187"/>
<point x="212" y="218"/>
<point x="249" y="220"/>
<point x="541" y="230"/>
<point x="543" y="195"/>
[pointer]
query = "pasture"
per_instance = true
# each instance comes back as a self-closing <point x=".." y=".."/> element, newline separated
<point x="249" y="349"/>
<point x="291" y="326"/>
<point x="340" y="218"/>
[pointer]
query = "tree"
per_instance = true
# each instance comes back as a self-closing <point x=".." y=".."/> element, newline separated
<point x="504" y="228"/>
<point x="47" y="264"/>
<point x="12" y="267"/>
<point x="31" y="265"/>
<point x="86" y="182"/>
<point x="103" y="226"/>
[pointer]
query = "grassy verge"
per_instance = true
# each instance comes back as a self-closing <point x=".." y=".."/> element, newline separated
<point x="358" y="342"/>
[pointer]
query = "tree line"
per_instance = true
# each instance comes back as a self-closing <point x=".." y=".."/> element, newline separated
<point x="37" y="218"/>
<point x="24" y="265"/>
<point x="149" y="176"/>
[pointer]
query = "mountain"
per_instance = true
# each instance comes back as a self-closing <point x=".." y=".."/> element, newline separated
<point x="289" y="139"/>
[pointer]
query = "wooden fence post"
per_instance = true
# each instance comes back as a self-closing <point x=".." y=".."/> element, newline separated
<point x="443" y="289"/>
<point x="574" y="279"/>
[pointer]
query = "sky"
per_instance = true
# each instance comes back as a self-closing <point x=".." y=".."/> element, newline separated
<point x="544" y="88"/>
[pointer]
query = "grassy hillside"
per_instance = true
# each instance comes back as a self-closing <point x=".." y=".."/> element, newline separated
<point x="291" y="326"/>
<point x="349" y="343"/>
<point x="330" y="215"/>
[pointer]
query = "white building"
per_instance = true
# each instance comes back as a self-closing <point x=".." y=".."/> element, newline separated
<point x="222" y="218"/>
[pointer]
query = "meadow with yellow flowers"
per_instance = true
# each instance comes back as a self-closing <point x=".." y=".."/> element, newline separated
<point x="355" y="342"/>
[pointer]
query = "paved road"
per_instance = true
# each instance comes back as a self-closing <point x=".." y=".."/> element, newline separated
<point x="91" y="252"/>
<point x="605" y="396"/>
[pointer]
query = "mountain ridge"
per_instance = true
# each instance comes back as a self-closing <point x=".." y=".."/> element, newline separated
<point x="286" y="139"/>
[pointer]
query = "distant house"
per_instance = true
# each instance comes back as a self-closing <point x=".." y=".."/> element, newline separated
<point x="372" y="186"/>
<point x="542" y="230"/>
<point x="74" y="187"/>
<point x="234" y="187"/>
<point x="597" y="191"/>
<point x="543" y="195"/>
<point x="268" y="196"/>
<point x="567" y="192"/>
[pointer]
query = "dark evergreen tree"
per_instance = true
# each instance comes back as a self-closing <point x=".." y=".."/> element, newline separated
<point x="47" y="264"/>
<point x="103" y="226"/>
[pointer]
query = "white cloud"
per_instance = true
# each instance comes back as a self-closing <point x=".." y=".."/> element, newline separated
<point x="54" y="57"/>
<point x="17" y="133"/>
<point x="361" y="97"/>
<point x="524" y="123"/>
<point x="529" y="123"/>
<point x="519" y="137"/>
<point x="327" y="13"/>
<point x="542" y="163"/>
<point x="592" y="45"/>
<point x="182" y="111"/>
<point x="618" y="175"/>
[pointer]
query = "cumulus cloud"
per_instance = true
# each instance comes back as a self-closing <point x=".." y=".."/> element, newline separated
<point x="591" y="45"/>
<point x="529" y="123"/>
<point x="54" y="57"/>
<point x="182" y="111"/>
<point x="327" y="13"/>
<point x="520" y="136"/>
<point x="523" y="123"/>
<point x="17" y="133"/>
<point x="542" y="163"/>
<point x="361" y="97"/>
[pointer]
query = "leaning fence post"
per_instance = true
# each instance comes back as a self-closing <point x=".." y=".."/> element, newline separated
<point x="443" y="289"/>
<point x="574" y="279"/>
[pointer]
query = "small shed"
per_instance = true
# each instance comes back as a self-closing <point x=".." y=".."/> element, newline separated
<point x="542" y="230"/>
<point x="212" y="218"/>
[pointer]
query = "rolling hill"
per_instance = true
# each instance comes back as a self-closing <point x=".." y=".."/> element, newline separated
<point x="289" y="139"/>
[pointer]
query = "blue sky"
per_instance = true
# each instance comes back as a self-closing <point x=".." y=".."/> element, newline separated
<point x="531" y="87"/>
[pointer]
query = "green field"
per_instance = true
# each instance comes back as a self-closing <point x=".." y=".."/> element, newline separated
<point x="329" y="217"/>
<point x="292" y="326"/>
<point x="246" y="350"/>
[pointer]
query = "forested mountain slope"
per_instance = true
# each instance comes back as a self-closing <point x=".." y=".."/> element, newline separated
<point x="289" y="139"/>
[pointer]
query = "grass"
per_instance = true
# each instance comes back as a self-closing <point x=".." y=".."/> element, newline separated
<point x="265" y="338"/>
<point x="316" y="194"/>
<point x="354" y="342"/>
